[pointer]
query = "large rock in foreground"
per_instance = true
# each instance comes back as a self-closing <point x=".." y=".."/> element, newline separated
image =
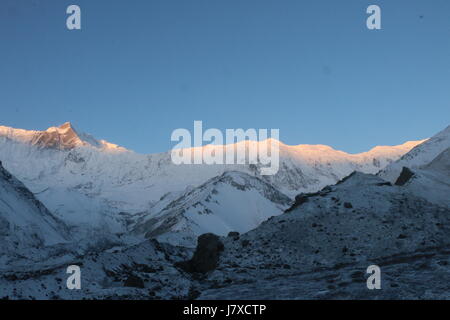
<point x="206" y="256"/>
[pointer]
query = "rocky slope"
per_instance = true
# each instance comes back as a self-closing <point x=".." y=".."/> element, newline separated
<point x="323" y="246"/>
<point x="26" y="225"/>
<point x="144" y="271"/>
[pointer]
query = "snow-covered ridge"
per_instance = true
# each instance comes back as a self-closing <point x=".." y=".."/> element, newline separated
<point x="25" y="222"/>
<point x="419" y="156"/>
<point x="234" y="201"/>
<point x="432" y="181"/>
<point x="66" y="137"/>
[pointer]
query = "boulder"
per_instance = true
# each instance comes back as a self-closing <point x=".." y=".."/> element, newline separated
<point x="206" y="255"/>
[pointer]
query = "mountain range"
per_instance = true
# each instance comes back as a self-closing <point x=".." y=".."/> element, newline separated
<point x="91" y="183"/>
<point x="309" y="232"/>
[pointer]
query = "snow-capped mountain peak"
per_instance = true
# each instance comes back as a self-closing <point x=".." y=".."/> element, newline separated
<point x="64" y="137"/>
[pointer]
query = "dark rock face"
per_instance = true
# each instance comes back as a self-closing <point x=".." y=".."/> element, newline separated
<point x="404" y="177"/>
<point x="234" y="235"/>
<point x="206" y="256"/>
<point x="134" y="281"/>
<point x="3" y="173"/>
<point x="299" y="200"/>
<point x="304" y="197"/>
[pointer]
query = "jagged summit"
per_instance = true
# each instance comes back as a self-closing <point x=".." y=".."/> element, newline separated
<point x="66" y="125"/>
<point x="64" y="137"/>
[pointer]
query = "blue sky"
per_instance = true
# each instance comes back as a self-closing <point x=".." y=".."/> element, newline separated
<point x="140" y="69"/>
